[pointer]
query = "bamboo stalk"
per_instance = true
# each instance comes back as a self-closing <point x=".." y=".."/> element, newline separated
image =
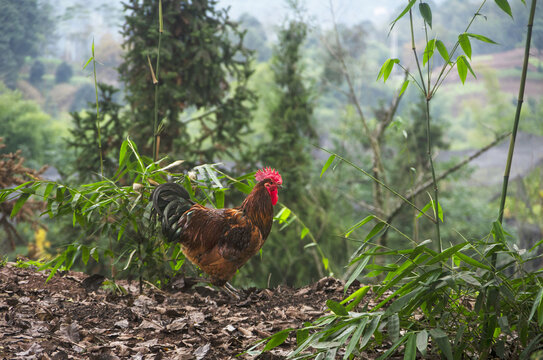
<point x="517" y="114"/>
<point x="155" y="82"/>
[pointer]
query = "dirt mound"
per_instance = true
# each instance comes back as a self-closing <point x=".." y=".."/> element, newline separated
<point x="70" y="317"/>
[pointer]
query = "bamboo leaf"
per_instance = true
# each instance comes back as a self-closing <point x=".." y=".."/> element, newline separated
<point x="424" y="209"/>
<point x="404" y="87"/>
<point x="360" y="267"/>
<point x="536" y="303"/>
<point x="481" y="38"/>
<point x="219" y="198"/>
<point x="469" y="279"/>
<point x="447" y="253"/>
<point x="504" y="5"/>
<point x="426" y="13"/>
<point x="94" y="254"/>
<point x="359" y="224"/>
<point x="469" y="68"/>
<point x="428" y="51"/>
<point x="442" y="50"/>
<point x="422" y="341"/>
<point x="469" y="260"/>
<point x="355" y="338"/>
<point x="393" y="327"/>
<point x="276" y="340"/>
<point x="462" y="68"/>
<point x="370" y="330"/>
<point x="88" y="61"/>
<point x="440" y="337"/>
<point x="336" y="308"/>
<point x="405" y="10"/>
<point x="411" y="348"/>
<point x="465" y="44"/>
<point x="19" y="204"/>
<point x="85" y="254"/>
<point x="328" y="163"/>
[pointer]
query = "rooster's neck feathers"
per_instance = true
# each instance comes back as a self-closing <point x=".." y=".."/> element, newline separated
<point x="258" y="207"/>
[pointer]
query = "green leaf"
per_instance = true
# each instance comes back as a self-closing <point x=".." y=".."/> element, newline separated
<point x="393" y="327"/>
<point x="325" y="262"/>
<point x="428" y="51"/>
<point x="370" y="330"/>
<point x="440" y="337"/>
<point x="357" y="296"/>
<point x="301" y="336"/>
<point x="426" y="13"/>
<point x="536" y="303"/>
<point x="48" y="189"/>
<point x="360" y="267"/>
<point x="337" y="308"/>
<point x="404" y="87"/>
<point x="410" y="352"/>
<point x="355" y="338"/>
<point x="386" y="69"/>
<point x="463" y="40"/>
<point x="123" y="153"/>
<point x="85" y="254"/>
<point x="422" y="341"/>
<point x="328" y="163"/>
<point x="219" y="198"/>
<point x="276" y="340"/>
<point x="447" y="253"/>
<point x="94" y="254"/>
<point x="481" y="38"/>
<point x="442" y="50"/>
<point x="439" y="210"/>
<point x="469" y="279"/>
<point x="462" y="68"/>
<point x="359" y="224"/>
<point x="469" y="260"/>
<point x="304" y="232"/>
<point x="469" y="68"/>
<point x="424" y="209"/>
<point x="504" y="5"/>
<point x="19" y="203"/>
<point x="88" y="62"/>
<point x="405" y="10"/>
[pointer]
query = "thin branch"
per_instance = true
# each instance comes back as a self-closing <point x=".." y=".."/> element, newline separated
<point x="438" y="82"/>
<point x="380" y="183"/>
<point x="422" y="187"/>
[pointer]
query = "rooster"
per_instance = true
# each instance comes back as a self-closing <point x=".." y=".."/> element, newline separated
<point x="219" y="241"/>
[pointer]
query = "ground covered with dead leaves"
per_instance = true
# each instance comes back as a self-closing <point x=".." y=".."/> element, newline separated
<point x="71" y="317"/>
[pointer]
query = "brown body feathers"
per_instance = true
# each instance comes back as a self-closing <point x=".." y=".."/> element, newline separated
<point x="219" y="241"/>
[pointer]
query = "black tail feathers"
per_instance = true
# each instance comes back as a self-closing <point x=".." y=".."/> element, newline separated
<point x="170" y="201"/>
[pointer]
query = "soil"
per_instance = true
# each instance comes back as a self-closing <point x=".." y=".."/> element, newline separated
<point x="73" y="317"/>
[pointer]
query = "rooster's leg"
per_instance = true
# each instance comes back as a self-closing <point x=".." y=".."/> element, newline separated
<point x="231" y="291"/>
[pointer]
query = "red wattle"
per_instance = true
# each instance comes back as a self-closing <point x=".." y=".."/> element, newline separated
<point x="273" y="196"/>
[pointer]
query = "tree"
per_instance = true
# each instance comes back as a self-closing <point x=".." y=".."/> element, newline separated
<point x="25" y="127"/>
<point x="64" y="73"/>
<point x="24" y="25"/>
<point x="36" y="72"/>
<point x="200" y="69"/>
<point x="289" y="127"/>
<point x="255" y="38"/>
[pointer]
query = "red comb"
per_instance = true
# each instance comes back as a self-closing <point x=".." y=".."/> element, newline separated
<point x="268" y="173"/>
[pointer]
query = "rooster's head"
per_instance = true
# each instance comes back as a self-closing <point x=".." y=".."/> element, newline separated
<point x="272" y="180"/>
